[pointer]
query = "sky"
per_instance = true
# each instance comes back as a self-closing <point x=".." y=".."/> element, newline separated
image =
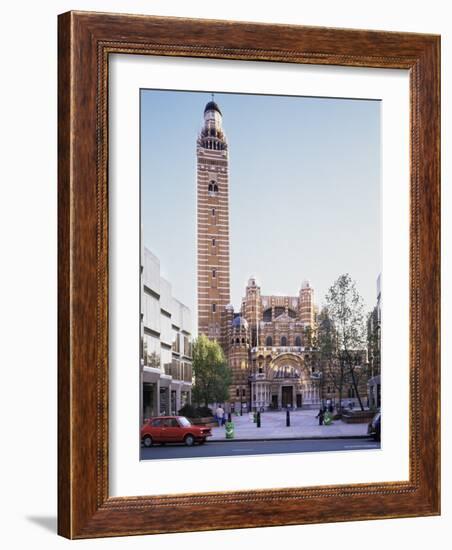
<point x="304" y="185"/>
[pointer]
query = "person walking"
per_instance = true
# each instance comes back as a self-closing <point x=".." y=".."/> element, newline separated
<point x="220" y="415"/>
<point x="321" y="416"/>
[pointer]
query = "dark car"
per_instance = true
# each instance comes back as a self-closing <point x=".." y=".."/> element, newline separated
<point x="173" y="429"/>
<point x="374" y="427"/>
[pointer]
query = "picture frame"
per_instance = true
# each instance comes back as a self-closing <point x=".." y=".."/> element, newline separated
<point x="85" y="508"/>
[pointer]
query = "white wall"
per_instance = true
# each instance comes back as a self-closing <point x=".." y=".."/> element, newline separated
<point x="28" y="245"/>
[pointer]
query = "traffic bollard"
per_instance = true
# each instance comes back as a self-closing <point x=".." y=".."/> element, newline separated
<point x="258" y="419"/>
<point x="288" y="418"/>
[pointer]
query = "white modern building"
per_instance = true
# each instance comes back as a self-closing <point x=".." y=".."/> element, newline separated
<point x="166" y="347"/>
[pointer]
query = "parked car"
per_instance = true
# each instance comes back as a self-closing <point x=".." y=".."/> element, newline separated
<point x="374" y="427"/>
<point x="173" y="429"/>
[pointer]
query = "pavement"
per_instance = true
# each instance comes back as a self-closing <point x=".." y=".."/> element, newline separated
<point x="249" y="448"/>
<point x="303" y="425"/>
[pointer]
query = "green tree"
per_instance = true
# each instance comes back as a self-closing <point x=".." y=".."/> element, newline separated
<point x="333" y="371"/>
<point x="212" y="375"/>
<point x="346" y="311"/>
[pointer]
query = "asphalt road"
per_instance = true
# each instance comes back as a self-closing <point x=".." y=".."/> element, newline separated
<point x="237" y="448"/>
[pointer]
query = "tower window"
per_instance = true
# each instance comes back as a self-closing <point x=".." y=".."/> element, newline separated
<point x="283" y="341"/>
<point x="212" y="188"/>
<point x="214" y="273"/>
<point x="213" y="242"/>
<point x="269" y="341"/>
<point x="298" y="341"/>
<point x="213" y="211"/>
<point x="214" y="308"/>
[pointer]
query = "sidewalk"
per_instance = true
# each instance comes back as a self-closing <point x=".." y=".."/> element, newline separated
<point x="303" y="425"/>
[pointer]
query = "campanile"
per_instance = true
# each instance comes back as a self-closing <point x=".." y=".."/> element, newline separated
<point x="213" y="222"/>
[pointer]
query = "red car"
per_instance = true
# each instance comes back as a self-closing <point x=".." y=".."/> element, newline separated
<point x="173" y="429"/>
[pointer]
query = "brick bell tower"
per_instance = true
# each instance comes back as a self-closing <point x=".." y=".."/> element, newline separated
<point x="213" y="223"/>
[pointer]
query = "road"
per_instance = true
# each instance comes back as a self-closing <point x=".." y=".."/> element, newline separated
<point x="237" y="448"/>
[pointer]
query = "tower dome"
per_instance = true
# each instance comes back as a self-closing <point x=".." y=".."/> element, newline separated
<point x="212" y="106"/>
<point x="252" y="281"/>
<point x="239" y="322"/>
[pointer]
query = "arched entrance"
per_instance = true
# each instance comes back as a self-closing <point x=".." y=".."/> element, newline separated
<point x="283" y="382"/>
<point x="290" y="383"/>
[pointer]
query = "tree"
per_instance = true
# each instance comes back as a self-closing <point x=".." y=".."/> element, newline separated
<point x="333" y="371"/>
<point x="212" y="375"/>
<point x="346" y="311"/>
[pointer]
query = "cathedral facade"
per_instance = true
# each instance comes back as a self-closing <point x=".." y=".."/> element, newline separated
<point x="268" y="341"/>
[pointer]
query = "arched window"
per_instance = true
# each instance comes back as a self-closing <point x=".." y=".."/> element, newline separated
<point x="243" y="340"/>
<point x="283" y="341"/>
<point x="213" y="188"/>
<point x="298" y="341"/>
<point x="268" y="315"/>
<point x="269" y="341"/>
<point x="237" y="340"/>
<point x="214" y="273"/>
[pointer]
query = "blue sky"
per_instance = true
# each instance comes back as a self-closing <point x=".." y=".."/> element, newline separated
<point x="304" y="190"/>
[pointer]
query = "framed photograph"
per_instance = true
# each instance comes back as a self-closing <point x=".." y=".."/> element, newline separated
<point x="249" y="264"/>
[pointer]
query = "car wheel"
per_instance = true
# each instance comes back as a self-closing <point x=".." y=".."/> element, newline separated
<point x="189" y="440"/>
<point x="147" y="441"/>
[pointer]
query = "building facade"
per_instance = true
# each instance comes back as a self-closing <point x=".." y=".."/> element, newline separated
<point x="166" y="342"/>
<point x="269" y="349"/>
<point x="374" y="351"/>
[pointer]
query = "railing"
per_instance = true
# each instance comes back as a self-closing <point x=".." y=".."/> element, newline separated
<point x="279" y="349"/>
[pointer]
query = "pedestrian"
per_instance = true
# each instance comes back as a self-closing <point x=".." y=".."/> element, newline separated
<point x="220" y="415"/>
<point x="321" y="415"/>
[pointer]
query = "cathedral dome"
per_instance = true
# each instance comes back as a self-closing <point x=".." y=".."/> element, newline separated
<point x="252" y="281"/>
<point x="212" y="106"/>
<point x="239" y="321"/>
